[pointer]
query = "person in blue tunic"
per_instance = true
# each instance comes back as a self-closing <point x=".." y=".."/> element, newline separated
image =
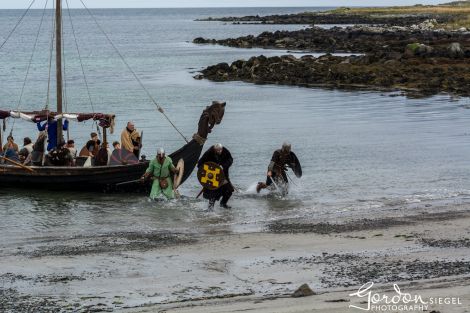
<point x="51" y="126"/>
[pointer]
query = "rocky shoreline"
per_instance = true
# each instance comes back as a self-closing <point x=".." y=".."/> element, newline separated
<point x="419" y="59"/>
<point x="314" y="18"/>
<point x="416" y="76"/>
<point x="354" y="39"/>
<point x="422" y="50"/>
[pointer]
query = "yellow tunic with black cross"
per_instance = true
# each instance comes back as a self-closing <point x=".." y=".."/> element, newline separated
<point x="158" y="171"/>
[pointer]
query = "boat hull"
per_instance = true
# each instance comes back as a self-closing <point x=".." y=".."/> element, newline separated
<point x="118" y="178"/>
<point x="101" y="178"/>
<point x="121" y="178"/>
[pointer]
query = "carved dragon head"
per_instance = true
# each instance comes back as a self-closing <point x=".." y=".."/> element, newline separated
<point x="210" y="117"/>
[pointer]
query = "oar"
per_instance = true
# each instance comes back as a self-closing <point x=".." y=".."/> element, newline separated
<point x="275" y="185"/>
<point x="18" y="164"/>
<point x="200" y="193"/>
<point x="129" y="182"/>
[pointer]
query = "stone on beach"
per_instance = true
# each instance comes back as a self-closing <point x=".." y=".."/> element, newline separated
<point x="303" y="291"/>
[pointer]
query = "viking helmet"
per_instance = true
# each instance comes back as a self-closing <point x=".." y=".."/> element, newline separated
<point x="218" y="146"/>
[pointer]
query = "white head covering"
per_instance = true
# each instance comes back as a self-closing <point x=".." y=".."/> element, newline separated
<point x="218" y="146"/>
<point x="160" y="151"/>
<point x="286" y="146"/>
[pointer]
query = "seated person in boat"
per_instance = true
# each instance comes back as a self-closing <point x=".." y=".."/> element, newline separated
<point x="10" y="144"/>
<point x="130" y="139"/>
<point x="160" y="170"/>
<point x="281" y="159"/>
<point x="60" y="156"/>
<point x="35" y="158"/>
<point x="71" y="147"/>
<point x="26" y="150"/>
<point x="116" y="145"/>
<point x="51" y="126"/>
<point x="10" y="150"/>
<point x="103" y="155"/>
<point x="221" y="156"/>
<point x="92" y="146"/>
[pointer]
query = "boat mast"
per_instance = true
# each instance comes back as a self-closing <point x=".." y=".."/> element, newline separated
<point x="58" y="43"/>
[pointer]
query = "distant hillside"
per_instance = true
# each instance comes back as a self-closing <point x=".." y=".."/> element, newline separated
<point x="462" y="3"/>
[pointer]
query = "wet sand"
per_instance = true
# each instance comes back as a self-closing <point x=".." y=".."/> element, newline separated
<point x="153" y="272"/>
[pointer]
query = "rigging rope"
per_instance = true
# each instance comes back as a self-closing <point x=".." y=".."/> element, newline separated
<point x="95" y="123"/>
<point x="80" y="57"/>
<point x="29" y="64"/>
<point x="160" y="109"/>
<point x="17" y="24"/>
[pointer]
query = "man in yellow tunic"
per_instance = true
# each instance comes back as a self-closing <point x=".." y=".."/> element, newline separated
<point x="130" y="139"/>
<point x="160" y="170"/>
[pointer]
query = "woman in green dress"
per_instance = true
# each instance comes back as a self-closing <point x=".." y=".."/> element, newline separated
<point x="160" y="170"/>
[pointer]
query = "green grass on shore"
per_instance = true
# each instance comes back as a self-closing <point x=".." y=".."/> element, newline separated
<point x="417" y="9"/>
<point x="459" y="9"/>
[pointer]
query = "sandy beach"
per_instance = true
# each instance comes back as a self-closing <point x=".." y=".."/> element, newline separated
<point x="425" y="254"/>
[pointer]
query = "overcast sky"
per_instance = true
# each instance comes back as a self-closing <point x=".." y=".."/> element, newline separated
<point x="20" y="4"/>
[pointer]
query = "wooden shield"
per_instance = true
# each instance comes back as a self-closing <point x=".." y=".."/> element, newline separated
<point x="211" y="176"/>
<point x="179" y="177"/>
<point x="296" y="167"/>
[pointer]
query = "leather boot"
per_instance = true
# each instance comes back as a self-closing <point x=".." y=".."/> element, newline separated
<point x="260" y="186"/>
<point x="211" y="204"/>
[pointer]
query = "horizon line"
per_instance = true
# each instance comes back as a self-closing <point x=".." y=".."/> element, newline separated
<point x="218" y="7"/>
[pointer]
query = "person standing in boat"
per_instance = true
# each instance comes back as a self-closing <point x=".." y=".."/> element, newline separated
<point x="51" y="126"/>
<point x="130" y="139"/>
<point x="222" y="157"/>
<point x="277" y="169"/>
<point x="160" y="171"/>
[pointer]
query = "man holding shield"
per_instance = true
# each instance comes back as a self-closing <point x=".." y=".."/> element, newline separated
<point x="213" y="174"/>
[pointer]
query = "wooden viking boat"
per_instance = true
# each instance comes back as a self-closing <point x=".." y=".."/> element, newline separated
<point x="123" y="172"/>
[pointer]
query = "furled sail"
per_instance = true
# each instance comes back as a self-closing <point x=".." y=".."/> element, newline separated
<point x="104" y="120"/>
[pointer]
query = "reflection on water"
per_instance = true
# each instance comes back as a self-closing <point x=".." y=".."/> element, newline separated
<point x="362" y="152"/>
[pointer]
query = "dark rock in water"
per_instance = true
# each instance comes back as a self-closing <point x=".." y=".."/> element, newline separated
<point x="415" y="59"/>
<point x="303" y="291"/>
<point x="313" y="18"/>
<point x="358" y="39"/>
<point x="421" y="71"/>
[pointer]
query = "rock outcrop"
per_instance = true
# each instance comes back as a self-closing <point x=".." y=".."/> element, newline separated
<point x="313" y="18"/>
<point x="357" y="39"/>
<point x="413" y="73"/>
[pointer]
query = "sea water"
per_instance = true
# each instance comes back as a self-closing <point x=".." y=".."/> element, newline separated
<point x="364" y="153"/>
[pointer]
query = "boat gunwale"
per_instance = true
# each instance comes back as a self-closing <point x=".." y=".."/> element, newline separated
<point x="51" y="170"/>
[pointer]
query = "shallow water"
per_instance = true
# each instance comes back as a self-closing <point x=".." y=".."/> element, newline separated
<point x="363" y="153"/>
